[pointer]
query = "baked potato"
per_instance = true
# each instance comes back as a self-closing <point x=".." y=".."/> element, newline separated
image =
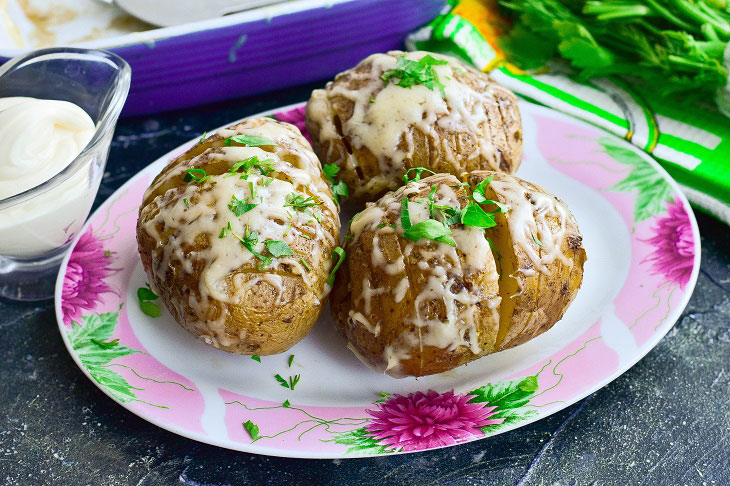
<point x="460" y="270"/>
<point x="416" y="307"/>
<point x="237" y="234"/>
<point x="397" y="111"/>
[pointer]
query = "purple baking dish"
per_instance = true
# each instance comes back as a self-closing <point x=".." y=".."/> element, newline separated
<point x="259" y="50"/>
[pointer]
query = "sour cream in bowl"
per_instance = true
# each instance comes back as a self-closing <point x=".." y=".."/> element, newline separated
<point x="38" y="139"/>
<point x="58" y="110"/>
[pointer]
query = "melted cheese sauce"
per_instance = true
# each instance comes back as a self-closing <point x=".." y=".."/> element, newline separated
<point x="383" y="116"/>
<point x="187" y="220"/>
<point x="529" y="218"/>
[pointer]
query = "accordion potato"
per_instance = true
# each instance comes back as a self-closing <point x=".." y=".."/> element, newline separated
<point x="397" y="111"/>
<point x="236" y="236"/>
<point x="442" y="272"/>
<point x="416" y="307"/>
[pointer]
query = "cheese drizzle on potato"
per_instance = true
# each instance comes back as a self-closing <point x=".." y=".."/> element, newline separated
<point x="535" y="224"/>
<point x="197" y="233"/>
<point x="473" y="123"/>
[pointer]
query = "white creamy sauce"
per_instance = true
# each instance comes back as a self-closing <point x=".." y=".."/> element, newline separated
<point x="38" y="139"/>
<point x="207" y="213"/>
<point x="383" y="114"/>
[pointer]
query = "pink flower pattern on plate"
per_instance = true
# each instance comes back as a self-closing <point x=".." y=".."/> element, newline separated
<point x="296" y="118"/>
<point x="674" y="252"/>
<point x="427" y="420"/>
<point x="84" y="283"/>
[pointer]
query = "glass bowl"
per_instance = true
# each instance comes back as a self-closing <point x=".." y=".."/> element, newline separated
<point x="38" y="225"/>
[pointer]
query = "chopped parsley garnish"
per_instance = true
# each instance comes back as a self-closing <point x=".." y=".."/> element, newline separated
<point x="299" y="202"/>
<point x="474" y="215"/>
<point x="256" y="357"/>
<point x="432" y="230"/>
<point x="249" y="241"/>
<point x="372" y="100"/>
<point x="186" y="202"/>
<point x="224" y="230"/>
<point x="479" y="196"/>
<point x="250" y="140"/>
<point x="405" y="216"/>
<point x="418" y="171"/>
<point x="202" y="137"/>
<point x="409" y="73"/>
<point x="145" y="296"/>
<point x="239" y="207"/>
<point x="293" y="380"/>
<point x="286" y="404"/>
<point x="107" y="253"/>
<point x="252" y="429"/>
<point x="383" y="396"/>
<point x="291" y="360"/>
<point x="196" y="176"/>
<point x="306" y="265"/>
<point x="246" y="166"/>
<point x="278" y="248"/>
<point x="382" y="225"/>
<point x="339" y="189"/>
<point x="340" y="254"/>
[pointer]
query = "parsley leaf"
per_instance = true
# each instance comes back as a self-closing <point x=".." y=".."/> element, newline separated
<point x="431" y="230"/>
<point x="256" y="357"/>
<point x="340" y="254"/>
<point x="474" y="215"/>
<point x="145" y="293"/>
<point x="410" y="73"/>
<point x="383" y="397"/>
<point x="418" y="171"/>
<point x="281" y="380"/>
<point x="246" y="166"/>
<point x="278" y="248"/>
<point x="405" y="216"/>
<point x="339" y="189"/>
<point x="196" y="176"/>
<point x="537" y="241"/>
<point x="250" y="140"/>
<point x="239" y="207"/>
<point x="286" y="404"/>
<point x="478" y="194"/>
<point x="252" y="429"/>
<point x="249" y="240"/>
<point x="144" y="296"/>
<point x="299" y="202"/>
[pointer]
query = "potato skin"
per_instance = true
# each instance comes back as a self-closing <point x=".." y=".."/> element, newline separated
<point x="450" y="148"/>
<point x="544" y="295"/>
<point x="243" y="309"/>
<point x="393" y="305"/>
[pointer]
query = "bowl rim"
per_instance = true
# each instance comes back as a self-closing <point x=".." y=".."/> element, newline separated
<point x="106" y="122"/>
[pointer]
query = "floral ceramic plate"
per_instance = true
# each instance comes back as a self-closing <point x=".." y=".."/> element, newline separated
<point x="643" y="258"/>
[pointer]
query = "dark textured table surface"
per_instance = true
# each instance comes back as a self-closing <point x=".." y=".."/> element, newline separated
<point x="665" y="421"/>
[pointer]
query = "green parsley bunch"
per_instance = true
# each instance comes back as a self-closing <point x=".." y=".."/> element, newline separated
<point x="671" y="45"/>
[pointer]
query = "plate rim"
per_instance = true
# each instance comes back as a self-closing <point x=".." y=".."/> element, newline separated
<point x="621" y="368"/>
